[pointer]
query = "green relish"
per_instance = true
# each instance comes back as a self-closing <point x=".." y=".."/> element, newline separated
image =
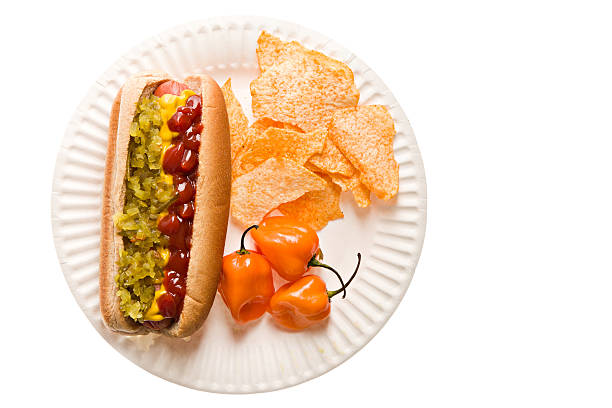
<point x="147" y="195"/>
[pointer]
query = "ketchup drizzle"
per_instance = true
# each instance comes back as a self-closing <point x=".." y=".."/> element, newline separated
<point x="181" y="161"/>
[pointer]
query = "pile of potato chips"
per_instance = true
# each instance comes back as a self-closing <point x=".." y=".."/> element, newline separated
<point x="310" y="141"/>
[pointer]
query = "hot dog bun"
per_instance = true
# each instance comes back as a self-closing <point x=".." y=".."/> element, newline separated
<point x="211" y="203"/>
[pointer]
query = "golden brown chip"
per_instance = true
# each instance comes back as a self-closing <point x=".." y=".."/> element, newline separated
<point x="274" y="142"/>
<point x="365" y="135"/>
<point x="351" y="182"/>
<point x="260" y="125"/>
<point x="238" y="122"/>
<point x="254" y="132"/>
<point x="314" y="168"/>
<point x="361" y="194"/>
<point x="303" y="90"/>
<point x="331" y="160"/>
<point x="275" y="182"/>
<point x="272" y="50"/>
<point x="316" y="208"/>
<point x="269" y="49"/>
<point x="345" y="183"/>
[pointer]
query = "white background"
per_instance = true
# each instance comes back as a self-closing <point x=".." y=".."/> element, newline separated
<point x="511" y="105"/>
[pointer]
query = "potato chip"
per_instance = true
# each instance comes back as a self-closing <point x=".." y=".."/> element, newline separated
<point x="238" y="122"/>
<point x="365" y="135"/>
<point x="313" y="168"/>
<point x="274" y="142"/>
<point x="272" y="50"/>
<point x="316" y="208"/>
<point x="275" y="182"/>
<point x="351" y="182"/>
<point x="331" y="160"/>
<point x="310" y="141"/>
<point x="361" y="194"/>
<point x="303" y="90"/>
<point x="260" y="125"/>
<point x="254" y="132"/>
<point x="268" y="50"/>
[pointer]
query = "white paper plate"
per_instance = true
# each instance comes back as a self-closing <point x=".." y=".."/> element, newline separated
<point x="222" y="357"/>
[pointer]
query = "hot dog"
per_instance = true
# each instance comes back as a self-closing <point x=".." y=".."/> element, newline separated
<point x="165" y="204"/>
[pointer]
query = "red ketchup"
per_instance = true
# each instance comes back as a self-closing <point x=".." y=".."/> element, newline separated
<point x="180" y="161"/>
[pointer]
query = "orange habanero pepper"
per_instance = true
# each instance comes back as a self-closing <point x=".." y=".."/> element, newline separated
<point x="290" y="246"/>
<point x="246" y="284"/>
<point x="305" y="302"/>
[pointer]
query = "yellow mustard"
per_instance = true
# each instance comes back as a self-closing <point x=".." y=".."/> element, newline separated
<point x="168" y="105"/>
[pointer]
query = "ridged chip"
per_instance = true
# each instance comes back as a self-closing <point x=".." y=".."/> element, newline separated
<point x="316" y="208"/>
<point x="260" y="125"/>
<point x="238" y="121"/>
<point x="300" y="86"/>
<point x="269" y="48"/>
<point x="254" y="132"/>
<point x="310" y="141"/>
<point x="331" y="160"/>
<point x="275" y="142"/>
<point x="274" y="182"/>
<point x="272" y="50"/>
<point x="360" y="192"/>
<point x="365" y="135"/>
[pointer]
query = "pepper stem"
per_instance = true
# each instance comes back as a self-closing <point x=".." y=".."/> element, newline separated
<point x="315" y="262"/>
<point x="332" y="293"/>
<point x="243" y="250"/>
